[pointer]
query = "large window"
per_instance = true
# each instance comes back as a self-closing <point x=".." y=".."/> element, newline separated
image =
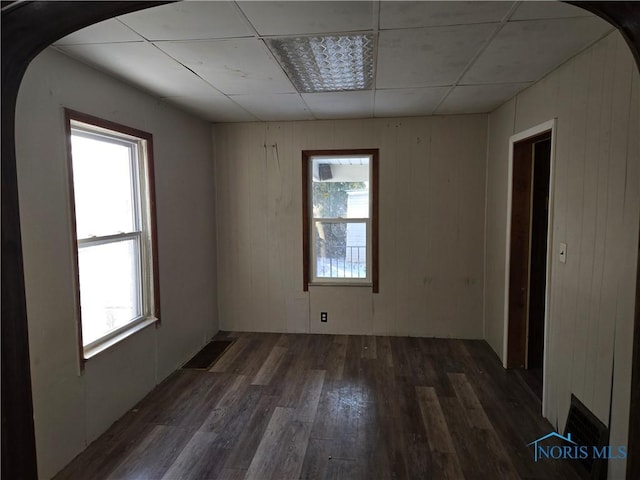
<point x="340" y="217"/>
<point x="113" y="200"/>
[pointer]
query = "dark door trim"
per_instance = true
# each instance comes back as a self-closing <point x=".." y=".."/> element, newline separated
<point x="27" y="29"/>
<point x="518" y="286"/>
<point x="515" y="336"/>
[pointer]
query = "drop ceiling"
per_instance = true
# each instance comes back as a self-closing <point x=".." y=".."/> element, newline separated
<point x="212" y="58"/>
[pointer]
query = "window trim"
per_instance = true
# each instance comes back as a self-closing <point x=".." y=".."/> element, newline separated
<point x="147" y="188"/>
<point x="307" y="271"/>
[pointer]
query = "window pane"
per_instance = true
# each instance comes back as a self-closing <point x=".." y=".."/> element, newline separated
<point x="341" y="250"/>
<point x="102" y="182"/>
<point x="340" y="187"/>
<point x="109" y="287"/>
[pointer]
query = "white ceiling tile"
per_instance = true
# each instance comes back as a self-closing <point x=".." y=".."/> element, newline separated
<point x="479" y="98"/>
<point x="408" y="101"/>
<point x="340" y="104"/>
<point x="426" y="57"/>
<point x="109" y="31"/>
<point x="236" y="66"/>
<point x="291" y="18"/>
<point x="142" y="65"/>
<point x="416" y="64"/>
<point x="525" y="51"/>
<point x="214" y="108"/>
<point x="189" y="21"/>
<point x="533" y="10"/>
<point x="274" y="107"/>
<point x="426" y="14"/>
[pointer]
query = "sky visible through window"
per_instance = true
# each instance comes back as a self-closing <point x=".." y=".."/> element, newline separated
<point x="105" y="205"/>
<point x="103" y="180"/>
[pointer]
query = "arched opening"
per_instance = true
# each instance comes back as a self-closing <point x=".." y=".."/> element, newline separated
<point x="18" y="49"/>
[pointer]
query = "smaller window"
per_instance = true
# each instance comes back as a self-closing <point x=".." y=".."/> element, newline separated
<point x="340" y="217"/>
<point x="111" y="168"/>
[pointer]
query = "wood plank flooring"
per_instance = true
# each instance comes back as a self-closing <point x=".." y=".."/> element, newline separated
<point x="285" y="406"/>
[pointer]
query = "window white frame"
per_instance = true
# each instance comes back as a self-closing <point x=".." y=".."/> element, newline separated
<point x="143" y="233"/>
<point x="315" y="279"/>
<point x="309" y="221"/>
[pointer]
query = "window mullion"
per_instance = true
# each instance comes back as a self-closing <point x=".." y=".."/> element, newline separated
<point x="340" y="219"/>
<point x="118" y="237"/>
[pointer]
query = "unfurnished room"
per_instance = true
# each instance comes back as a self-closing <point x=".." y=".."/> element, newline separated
<point x="320" y="240"/>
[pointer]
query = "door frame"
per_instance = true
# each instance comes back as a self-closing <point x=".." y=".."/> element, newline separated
<point x="551" y="127"/>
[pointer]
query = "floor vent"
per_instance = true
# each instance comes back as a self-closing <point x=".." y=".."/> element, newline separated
<point x="586" y="429"/>
<point x="205" y="358"/>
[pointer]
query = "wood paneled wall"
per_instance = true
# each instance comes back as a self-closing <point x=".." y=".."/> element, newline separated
<point x="432" y="184"/>
<point x="72" y="410"/>
<point x="595" y="98"/>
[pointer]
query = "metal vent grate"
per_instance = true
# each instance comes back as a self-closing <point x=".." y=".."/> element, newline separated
<point x="586" y="429"/>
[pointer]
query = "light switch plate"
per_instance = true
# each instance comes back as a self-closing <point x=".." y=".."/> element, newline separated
<point x="563" y="253"/>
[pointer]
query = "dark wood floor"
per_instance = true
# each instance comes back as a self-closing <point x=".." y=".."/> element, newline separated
<point x="322" y="406"/>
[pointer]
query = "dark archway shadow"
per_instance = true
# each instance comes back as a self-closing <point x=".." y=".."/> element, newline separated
<point x="27" y="29"/>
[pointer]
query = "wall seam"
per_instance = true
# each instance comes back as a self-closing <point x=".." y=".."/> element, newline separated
<point x="486" y="215"/>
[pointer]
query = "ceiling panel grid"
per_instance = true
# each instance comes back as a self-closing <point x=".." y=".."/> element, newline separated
<point x="217" y="59"/>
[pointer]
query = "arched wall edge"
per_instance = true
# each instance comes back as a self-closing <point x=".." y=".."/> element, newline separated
<point x="27" y="29"/>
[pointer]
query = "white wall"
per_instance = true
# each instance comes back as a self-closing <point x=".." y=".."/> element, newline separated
<point x="70" y="409"/>
<point x="432" y="183"/>
<point x="595" y="98"/>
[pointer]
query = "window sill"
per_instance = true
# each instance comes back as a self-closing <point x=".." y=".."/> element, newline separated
<point x="102" y="346"/>
<point x="340" y="284"/>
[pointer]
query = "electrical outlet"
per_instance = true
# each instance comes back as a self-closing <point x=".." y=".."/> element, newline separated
<point x="323" y="316"/>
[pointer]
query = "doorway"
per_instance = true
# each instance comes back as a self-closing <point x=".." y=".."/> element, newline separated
<point x="528" y="257"/>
